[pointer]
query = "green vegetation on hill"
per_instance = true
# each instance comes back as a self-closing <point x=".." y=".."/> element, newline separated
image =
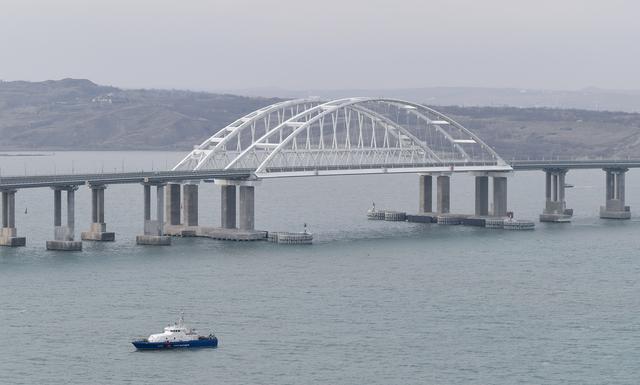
<point x="78" y="114"/>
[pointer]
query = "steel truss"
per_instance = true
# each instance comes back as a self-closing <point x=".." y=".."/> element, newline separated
<point x="344" y="136"/>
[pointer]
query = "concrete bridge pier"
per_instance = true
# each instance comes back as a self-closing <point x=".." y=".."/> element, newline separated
<point x="614" y="207"/>
<point x="482" y="196"/>
<point x="499" y="195"/>
<point x="8" y="235"/>
<point x="247" y="207"/>
<point x="237" y="209"/>
<point x="555" y="207"/>
<point x="98" y="230"/>
<point x="425" y="190"/>
<point x="64" y="235"/>
<point x="153" y="229"/>
<point x="443" y="193"/>
<point x="190" y="204"/>
<point x="228" y="206"/>
<point x="245" y="203"/>
<point x="172" y="204"/>
<point x="181" y="208"/>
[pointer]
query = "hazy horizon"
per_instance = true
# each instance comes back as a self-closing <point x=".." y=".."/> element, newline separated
<point x="299" y="45"/>
<point x="325" y="89"/>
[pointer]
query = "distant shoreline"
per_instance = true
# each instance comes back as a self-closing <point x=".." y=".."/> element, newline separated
<point x="27" y="154"/>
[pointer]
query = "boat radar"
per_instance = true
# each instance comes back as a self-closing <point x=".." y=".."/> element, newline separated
<point x="177" y="336"/>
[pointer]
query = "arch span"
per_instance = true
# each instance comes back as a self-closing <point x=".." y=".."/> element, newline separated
<point x="344" y="136"/>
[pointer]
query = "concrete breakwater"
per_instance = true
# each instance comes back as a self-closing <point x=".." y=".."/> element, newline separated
<point x="452" y="219"/>
<point x="288" y="238"/>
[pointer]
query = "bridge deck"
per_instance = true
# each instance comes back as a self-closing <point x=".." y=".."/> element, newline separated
<point x="18" y="182"/>
<point x="522" y="165"/>
<point x="15" y="182"/>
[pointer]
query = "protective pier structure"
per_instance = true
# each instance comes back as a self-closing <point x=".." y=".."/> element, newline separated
<point x="98" y="229"/>
<point x="9" y="234"/>
<point x="64" y="236"/>
<point x="614" y="207"/>
<point x="237" y="211"/>
<point x="442" y="213"/>
<point x="153" y="228"/>
<point x="555" y="209"/>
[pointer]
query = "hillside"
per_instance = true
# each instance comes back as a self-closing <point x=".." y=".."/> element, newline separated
<point x="591" y="98"/>
<point x="78" y="114"/>
<point x="546" y="132"/>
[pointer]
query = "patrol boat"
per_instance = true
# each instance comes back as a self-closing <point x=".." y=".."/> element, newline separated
<point x="177" y="336"/>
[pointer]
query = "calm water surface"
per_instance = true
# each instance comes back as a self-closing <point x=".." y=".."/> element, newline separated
<point x="368" y="303"/>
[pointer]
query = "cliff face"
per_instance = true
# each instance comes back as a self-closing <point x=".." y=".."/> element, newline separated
<point x="78" y="114"/>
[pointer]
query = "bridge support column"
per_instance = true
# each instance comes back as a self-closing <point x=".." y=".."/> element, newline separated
<point x="190" y="204"/>
<point x="64" y="235"/>
<point x="500" y="196"/>
<point x="98" y="229"/>
<point x="8" y="235"/>
<point x="147" y="202"/>
<point x="555" y="207"/>
<point x="247" y="215"/>
<point x="246" y="211"/>
<point x="443" y="193"/>
<point x="614" y="207"/>
<point x="425" y="190"/>
<point x="482" y="195"/>
<point x="228" y="207"/>
<point x="154" y="229"/>
<point x="172" y="204"/>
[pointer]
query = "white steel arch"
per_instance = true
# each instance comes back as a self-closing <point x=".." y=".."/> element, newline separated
<point x="212" y="152"/>
<point x="345" y="136"/>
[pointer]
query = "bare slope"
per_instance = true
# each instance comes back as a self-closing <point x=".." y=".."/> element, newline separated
<point x="546" y="132"/>
<point x="78" y="114"/>
<point x="75" y="114"/>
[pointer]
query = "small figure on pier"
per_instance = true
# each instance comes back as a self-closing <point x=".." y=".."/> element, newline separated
<point x="306" y="230"/>
<point x="373" y="214"/>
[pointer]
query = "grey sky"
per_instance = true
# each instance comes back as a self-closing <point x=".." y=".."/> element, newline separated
<point x="298" y="44"/>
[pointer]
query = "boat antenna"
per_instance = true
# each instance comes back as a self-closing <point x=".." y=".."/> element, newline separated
<point x="181" y="319"/>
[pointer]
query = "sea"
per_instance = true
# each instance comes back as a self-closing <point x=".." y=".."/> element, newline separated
<point x="369" y="302"/>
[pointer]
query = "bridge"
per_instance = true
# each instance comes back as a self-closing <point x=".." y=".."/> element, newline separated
<point x="523" y="165"/>
<point x="309" y="137"/>
<point x="55" y="181"/>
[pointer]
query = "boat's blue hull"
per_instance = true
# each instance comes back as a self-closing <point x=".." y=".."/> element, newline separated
<point x="205" y="343"/>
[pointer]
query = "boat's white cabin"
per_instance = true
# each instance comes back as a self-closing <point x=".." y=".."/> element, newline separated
<point x="175" y="332"/>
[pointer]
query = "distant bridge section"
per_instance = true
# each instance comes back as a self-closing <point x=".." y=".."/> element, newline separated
<point x="19" y="182"/>
<point x="521" y="165"/>
<point x="555" y="172"/>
